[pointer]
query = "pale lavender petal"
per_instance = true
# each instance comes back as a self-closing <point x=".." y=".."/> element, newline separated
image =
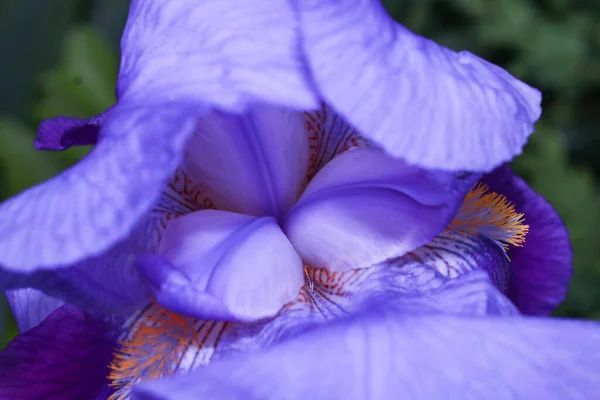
<point x="60" y="133"/>
<point x="89" y="208"/>
<point x="66" y="357"/>
<point x="541" y="269"/>
<point x="219" y="265"/>
<point x="365" y="207"/>
<point x="223" y="52"/>
<point x="420" y="101"/>
<point x="253" y="163"/>
<point x="383" y="355"/>
<point x="30" y="307"/>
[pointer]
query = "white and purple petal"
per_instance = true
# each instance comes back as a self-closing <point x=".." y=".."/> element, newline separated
<point x="365" y="207"/>
<point x="420" y="101"/>
<point x="222" y="265"/>
<point x="254" y="163"/>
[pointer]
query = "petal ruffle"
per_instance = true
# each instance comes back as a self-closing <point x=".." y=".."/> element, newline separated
<point x="222" y="265"/>
<point x="422" y="102"/>
<point x="254" y="163"/>
<point x="30" y="307"/>
<point x="541" y="269"/>
<point x="60" y="133"/>
<point x="365" y="207"/>
<point x="222" y="52"/>
<point x="382" y="354"/>
<point x="64" y="358"/>
<point x="90" y="207"/>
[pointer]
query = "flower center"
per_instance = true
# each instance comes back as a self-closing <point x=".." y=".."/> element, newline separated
<point x="491" y="215"/>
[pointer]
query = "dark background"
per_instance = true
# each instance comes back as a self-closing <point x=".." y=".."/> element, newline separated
<point x="60" y="57"/>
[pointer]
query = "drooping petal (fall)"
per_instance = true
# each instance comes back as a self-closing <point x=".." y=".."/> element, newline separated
<point x="541" y="268"/>
<point x="420" y="101"/>
<point x="365" y="207"/>
<point x="222" y="265"/>
<point x="64" y="358"/>
<point x="382" y="354"/>
<point x="89" y="208"/>
<point x="220" y="52"/>
<point x="254" y="163"/>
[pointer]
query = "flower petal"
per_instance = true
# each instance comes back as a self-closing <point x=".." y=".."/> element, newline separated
<point x="223" y="265"/>
<point x="541" y="269"/>
<point x="90" y="207"/>
<point x="252" y="164"/>
<point x="422" y="102"/>
<point x="60" y="133"/>
<point x="328" y="136"/>
<point x="107" y="284"/>
<point x="223" y="52"/>
<point x="454" y="254"/>
<point x="365" y="207"/>
<point x="30" y="307"/>
<point x="380" y="355"/>
<point x="64" y="358"/>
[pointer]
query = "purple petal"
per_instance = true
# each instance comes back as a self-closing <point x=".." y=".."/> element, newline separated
<point x="108" y="283"/>
<point x="60" y="133"/>
<point x="64" y="358"/>
<point x="382" y="355"/>
<point x="422" y="102"/>
<point x="30" y="307"/>
<point x="89" y="208"/>
<point x="454" y="254"/>
<point x="224" y="265"/>
<point x="252" y="164"/>
<point x="365" y="207"/>
<point x="223" y="52"/>
<point x="405" y="287"/>
<point x="541" y="269"/>
<point x="328" y="136"/>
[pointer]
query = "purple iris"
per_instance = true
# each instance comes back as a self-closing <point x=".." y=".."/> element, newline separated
<point x="291" y="199"/>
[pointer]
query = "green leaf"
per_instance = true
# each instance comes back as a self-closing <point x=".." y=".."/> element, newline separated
<point x="83" y="82"/>
<point x="22" y="166"/>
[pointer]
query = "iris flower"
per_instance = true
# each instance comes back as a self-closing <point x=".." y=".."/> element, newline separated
<point x="291" y="200"/>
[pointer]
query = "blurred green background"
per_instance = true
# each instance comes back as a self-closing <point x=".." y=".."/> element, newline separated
<point x="60" y="57"/>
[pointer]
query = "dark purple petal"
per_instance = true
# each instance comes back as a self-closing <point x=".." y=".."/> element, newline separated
<point x="223" y="52"/>
<point x="365" y="207"/>
<point x="60" y="133"/>
<point x="30" y="307"/>
<point x="89" y="208"/>
<point x="220" y="265"/>
<point x="422" y="102"/>
<point x="253" y="164"/>
<point x="383" y="355"/>
<point x="541" y="269"/>
<point x="64" y="358"/>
